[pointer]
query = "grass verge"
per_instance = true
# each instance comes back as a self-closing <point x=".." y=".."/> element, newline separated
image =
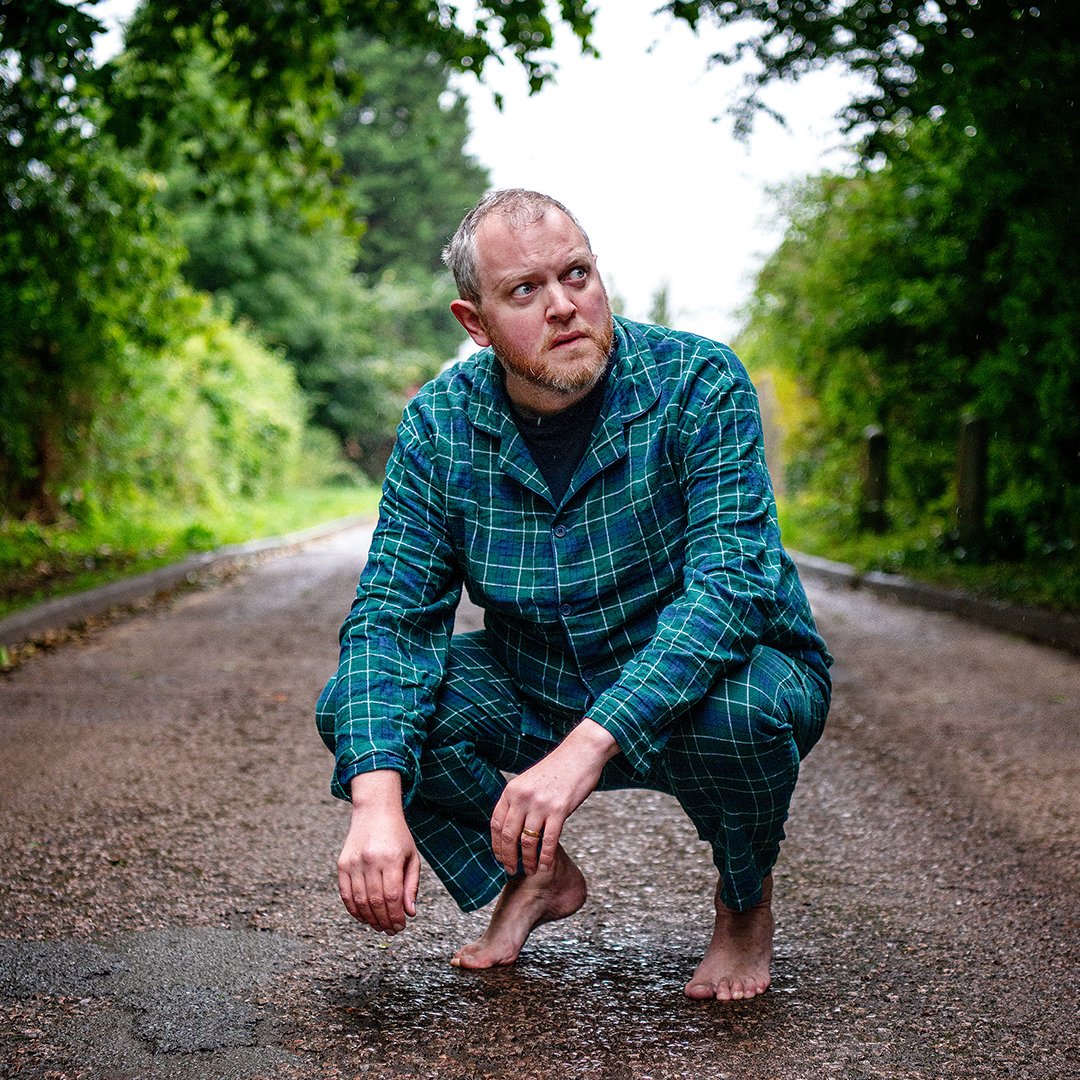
<point x="924" y="553"/>
<point x="38" y="562"/>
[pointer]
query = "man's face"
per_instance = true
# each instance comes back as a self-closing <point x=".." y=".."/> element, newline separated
<point x="543" y="307"/>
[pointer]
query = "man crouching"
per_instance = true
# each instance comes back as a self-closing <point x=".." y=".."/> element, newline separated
<point x="599" y="486"/>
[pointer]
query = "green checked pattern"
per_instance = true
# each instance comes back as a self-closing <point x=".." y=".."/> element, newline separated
<point x="731" y="761"/>
<point x="655" y="577"/>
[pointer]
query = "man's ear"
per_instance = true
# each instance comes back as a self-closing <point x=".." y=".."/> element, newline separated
<point x="467" y="313"/>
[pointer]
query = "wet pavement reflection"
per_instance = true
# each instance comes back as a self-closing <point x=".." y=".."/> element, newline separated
<point x="566" y="1002"/>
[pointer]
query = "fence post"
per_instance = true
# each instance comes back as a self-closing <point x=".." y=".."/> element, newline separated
<point x="971" y="466"/>
<point x="872" y="514"/>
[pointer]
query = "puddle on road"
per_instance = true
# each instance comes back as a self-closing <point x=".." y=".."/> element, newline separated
<point x="564" y="1000"/>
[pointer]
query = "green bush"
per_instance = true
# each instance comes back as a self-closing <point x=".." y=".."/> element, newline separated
<point x="215" y="418"/>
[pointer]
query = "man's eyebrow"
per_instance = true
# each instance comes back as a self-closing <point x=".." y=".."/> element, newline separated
<point x="512" y="277"/>
<point x="574" y="258"/>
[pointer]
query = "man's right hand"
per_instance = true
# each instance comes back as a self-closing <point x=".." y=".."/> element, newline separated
<point x="379" y="866"/>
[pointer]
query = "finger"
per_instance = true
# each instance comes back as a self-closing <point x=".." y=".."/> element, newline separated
<point x="498" y="823"/>
<point x="552" y="832"/>
<point x="412" y="885"/>
<point x="505" y="827"/>
<point x="393" y="888"/>
<point x="380" y="920"/>
<point x="354" y="899"/>
<point x="346" y="890"/>
<point x="530" y="845"/>
<point x="498" y="815"/>
<point x="507" y="850"/>
<point x="365" y="915"/>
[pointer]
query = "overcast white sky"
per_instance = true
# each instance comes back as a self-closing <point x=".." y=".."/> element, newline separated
<point x="638" y="145"/>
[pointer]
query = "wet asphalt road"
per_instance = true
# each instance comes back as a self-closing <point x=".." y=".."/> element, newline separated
<point x="168" y="905"/>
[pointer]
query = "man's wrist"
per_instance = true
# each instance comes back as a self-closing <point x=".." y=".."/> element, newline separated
<point x="596" y="739"/>
<point x="376" y="790"/>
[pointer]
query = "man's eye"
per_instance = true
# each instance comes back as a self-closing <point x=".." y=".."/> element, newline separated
<point x="523" y="290"/>
<point x="579" y="273"/>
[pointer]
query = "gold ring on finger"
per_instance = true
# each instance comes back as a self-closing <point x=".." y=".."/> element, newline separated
<point x="530" y="834"/>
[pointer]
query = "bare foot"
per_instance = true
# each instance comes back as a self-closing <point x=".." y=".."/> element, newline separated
<point x="736" y="963"/>
<point x="524" y="904"/>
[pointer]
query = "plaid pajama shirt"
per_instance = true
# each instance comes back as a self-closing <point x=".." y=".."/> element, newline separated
<point x="654" y="598"/>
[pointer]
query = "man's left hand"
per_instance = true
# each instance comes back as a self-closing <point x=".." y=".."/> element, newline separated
<point x="529" y="817"/>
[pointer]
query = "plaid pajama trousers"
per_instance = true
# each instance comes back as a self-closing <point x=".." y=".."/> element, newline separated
<point x="731" y="762"/>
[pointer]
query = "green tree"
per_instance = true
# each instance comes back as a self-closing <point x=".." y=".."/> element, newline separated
<point x="858" y="304"/>
<point x="88" y="263"/>
<point x="212" y="418"/>
<point x="87" y="272"/>
<point x="402" y="146"/>
<point x="262" y="85"/>
<point x="287" y="130"/>
<point x="876" y="303"/>
<point x="334" y="307"/>
<point x="969" y="134"/>
<point x="286" y="50"/>
<point x="228" y="129"/>
<point x="984" y="63"/>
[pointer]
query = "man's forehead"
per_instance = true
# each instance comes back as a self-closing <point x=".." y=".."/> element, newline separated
<point x="504" y="246"/>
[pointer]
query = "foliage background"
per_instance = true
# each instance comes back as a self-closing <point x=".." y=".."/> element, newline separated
<point x="219" y="253"/>
<point x="937" y="279"/>
<point x="225" y="234"/>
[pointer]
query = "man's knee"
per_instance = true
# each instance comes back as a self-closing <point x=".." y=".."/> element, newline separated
<point x="475" y="694"/>
<point x="474" y="731"/>
<point x="748" y="724"/>
<point x="773" y="698"/>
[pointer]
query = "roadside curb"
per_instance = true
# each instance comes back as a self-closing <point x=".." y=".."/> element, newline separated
<point x="1037" y="624"/>
<point x="65" y="612"/>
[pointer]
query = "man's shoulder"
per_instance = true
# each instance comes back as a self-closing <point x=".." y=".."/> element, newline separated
<point x="680" y="355"/>
<point x="462" y="381"/>
<point x="461" y="375"/>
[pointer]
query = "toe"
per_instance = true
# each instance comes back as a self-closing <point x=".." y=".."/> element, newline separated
<point x="751" y="988"/>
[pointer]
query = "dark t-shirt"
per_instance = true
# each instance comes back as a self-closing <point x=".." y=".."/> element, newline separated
<point x="558" y="443"/>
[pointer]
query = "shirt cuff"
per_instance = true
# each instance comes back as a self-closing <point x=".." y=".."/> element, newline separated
<point x="620" y="718"/>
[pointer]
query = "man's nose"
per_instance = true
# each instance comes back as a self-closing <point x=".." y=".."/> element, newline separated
<point x="561" y="304"/>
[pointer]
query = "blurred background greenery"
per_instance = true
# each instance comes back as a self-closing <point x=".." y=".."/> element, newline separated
<point x="219" y="276"/>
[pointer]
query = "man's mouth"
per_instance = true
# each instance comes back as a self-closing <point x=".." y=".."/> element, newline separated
<point x="567" y="339"/>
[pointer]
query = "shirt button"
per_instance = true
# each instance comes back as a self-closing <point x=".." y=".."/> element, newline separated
<point x="566" y="609"/>
<point x="588" y="674"/>
<point x="559" y="531"/>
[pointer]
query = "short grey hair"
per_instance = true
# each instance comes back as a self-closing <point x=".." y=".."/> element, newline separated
<point x="518" y="207"/>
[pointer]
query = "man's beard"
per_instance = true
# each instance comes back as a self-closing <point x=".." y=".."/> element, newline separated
<point x="564" y="377"/>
